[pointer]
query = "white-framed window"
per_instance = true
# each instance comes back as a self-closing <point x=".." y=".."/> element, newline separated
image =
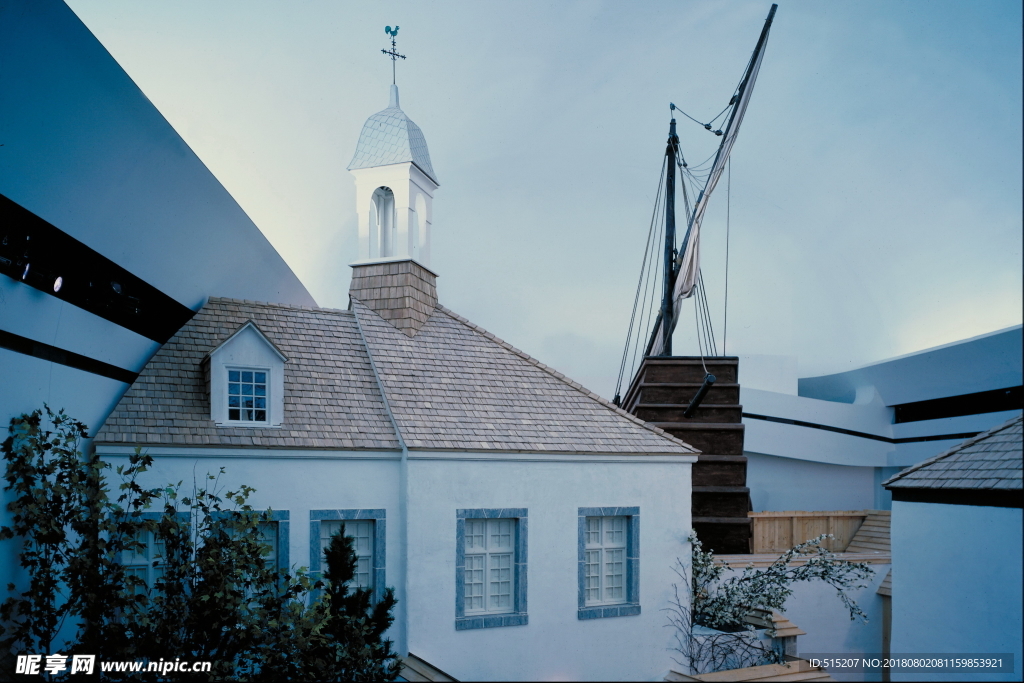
<point x="146" y="561"/>
<point x="268" y="534"/>
<point x="604" y="567"/>
<point x="247" y="394"/>
<point x="490" y="566"/>
<point x="362" y="533"/>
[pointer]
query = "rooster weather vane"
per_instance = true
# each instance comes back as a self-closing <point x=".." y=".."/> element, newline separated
<point x="393" y="52"/>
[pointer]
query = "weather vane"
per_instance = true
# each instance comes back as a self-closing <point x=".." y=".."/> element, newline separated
<point x="393" y="52"/>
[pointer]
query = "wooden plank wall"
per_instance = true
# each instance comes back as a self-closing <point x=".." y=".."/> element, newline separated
<point x="779" y="531"/>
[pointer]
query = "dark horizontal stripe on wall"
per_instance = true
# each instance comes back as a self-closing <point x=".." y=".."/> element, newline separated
<point x="997" y="498"/>
<point x="31" y="347"/>
<point x="863" y="435"/>
<point x="997" y="400"/>
<point x="37" y="253"/>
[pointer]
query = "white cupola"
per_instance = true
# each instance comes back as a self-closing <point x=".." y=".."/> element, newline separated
<point x="395" y="185"/>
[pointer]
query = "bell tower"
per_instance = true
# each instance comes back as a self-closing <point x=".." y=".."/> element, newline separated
<point x="395" y="184"/>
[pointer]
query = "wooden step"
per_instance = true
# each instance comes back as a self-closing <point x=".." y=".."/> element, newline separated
<point x="681" y="393"/>
<point x="718" y="473"/>
<point x="708" y="437"/>
<point x="723" y="501"/>
<point x="705" y="412"/>
<point x="688" y="369"/>
<point x="723" y="535"/>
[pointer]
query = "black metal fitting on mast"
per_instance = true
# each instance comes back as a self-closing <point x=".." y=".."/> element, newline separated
<point x="668" y="279"/>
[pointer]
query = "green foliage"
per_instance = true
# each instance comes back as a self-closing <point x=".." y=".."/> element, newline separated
<point x="71" y="539"/>
<point x="709" y="613"/>
<point x="215" y="601"/>
<point x="345" y="642"/>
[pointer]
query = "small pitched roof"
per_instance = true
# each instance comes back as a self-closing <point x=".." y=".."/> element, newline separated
<point x="885" y="588"/>
<point x="990" y="461"/>
<point x="415" y="669"/>
<point x="255" y="328"/>
<point x="455" y="386"/>
<point x="390" y="137"/>
<point x="331" y="398"/>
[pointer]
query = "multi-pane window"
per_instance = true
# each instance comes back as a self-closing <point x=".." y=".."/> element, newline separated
<point x="490" y="565"/>
<point x="268" y="534"/>
<point x="604" y="565"/>
<point x="247" y="395"/>
<point x="362" y="536"/>
<point x="145" y="561"/>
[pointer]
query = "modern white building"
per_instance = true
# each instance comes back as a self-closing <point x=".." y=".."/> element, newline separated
<point x="112" y="231"/>
<point x="956" y="557"/>
<point x="828" y="443"/>
<point x="528" y="525"/>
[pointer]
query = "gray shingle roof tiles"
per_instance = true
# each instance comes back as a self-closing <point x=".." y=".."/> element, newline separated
<point x="331" y="398"/>
<point x="452" y="387"/>
<point x="457" y="386"/>
<point x="991" y="460"/>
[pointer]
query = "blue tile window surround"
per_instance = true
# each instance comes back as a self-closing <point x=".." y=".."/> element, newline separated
<point x="631" y="606"/>
<point x="379" y="534"/>
<point x="281" y="518"/>
<point x="518" y="616"/>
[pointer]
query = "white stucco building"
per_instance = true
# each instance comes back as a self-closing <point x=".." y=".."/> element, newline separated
<point x="957" y="556"/>
<point x="528" y="525"/>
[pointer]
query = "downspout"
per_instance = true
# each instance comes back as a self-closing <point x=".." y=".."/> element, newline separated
<point x="402" y="636"/>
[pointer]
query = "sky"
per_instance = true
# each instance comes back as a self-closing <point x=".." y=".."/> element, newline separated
<point x="876" y="197"/>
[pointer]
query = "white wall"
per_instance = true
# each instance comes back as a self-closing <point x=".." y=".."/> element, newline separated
<point x="818" y="611"/>
<point x="787" y="484"/>
<point x="956" y="583"/>
<point x="555" y="645"/>
<point x="296" y="481"/>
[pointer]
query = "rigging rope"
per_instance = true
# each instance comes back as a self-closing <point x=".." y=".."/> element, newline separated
<point x="706" y="126"/>
<point x="728" y="216"/>
<point x="643" y="268"/>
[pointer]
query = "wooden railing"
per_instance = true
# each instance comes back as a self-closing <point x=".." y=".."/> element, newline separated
<point x="779" y="531"/>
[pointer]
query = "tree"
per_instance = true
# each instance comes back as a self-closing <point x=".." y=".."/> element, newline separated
<point x="352" y="644"/>
<point x="215" y="599"/>
<point x="709" y="613"/>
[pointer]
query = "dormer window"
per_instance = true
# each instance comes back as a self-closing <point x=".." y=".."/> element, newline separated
<point x="246" y="376"/>
<point x="247" y="395"/>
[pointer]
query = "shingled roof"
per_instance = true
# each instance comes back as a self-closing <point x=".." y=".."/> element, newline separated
<point x="452" y="387"/>
<point x="331" y="398"/>
<point x="457" y="386"/>
<point x="990" y="461"/>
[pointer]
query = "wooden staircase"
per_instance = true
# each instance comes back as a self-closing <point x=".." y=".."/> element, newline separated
<point x="659" y="394"/>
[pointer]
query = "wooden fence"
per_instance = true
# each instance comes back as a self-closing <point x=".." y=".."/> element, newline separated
<point x="779" y="531"/>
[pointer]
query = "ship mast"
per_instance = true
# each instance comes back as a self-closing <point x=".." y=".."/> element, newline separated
<point x="668" y="279"/>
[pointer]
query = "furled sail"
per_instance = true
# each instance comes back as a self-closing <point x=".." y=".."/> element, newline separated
<point x="688" y="261"/>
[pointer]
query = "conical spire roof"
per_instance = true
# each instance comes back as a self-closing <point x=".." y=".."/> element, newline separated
<point x="390" y="137"/>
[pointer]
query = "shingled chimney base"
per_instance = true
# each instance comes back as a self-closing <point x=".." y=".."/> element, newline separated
<point x="402" y="292"/>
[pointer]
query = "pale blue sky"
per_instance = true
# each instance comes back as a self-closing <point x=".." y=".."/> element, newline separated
<point x="876" y="199"/>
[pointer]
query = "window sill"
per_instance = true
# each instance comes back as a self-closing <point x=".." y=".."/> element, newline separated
<point x="629" y="609"/>
<point x="249" y="425"/>
<point x="491" y="621"/>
